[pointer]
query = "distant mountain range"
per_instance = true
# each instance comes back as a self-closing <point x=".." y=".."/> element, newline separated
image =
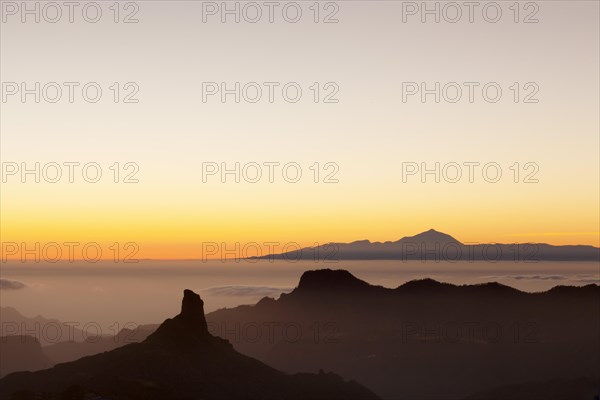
<point x="180" y="360"/>
<point x="437" y="246"/>
<point x="12" y="322"/>
<point x="33" y="343"/>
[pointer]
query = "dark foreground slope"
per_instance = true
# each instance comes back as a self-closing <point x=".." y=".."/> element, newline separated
<point x="181" y="360"/>
<point x="424" y="339"/>
<point x="27" y="353"/>
<point x="21" y="353"/>
<point x="70" y="351"/>
<point x="556" y="389"/>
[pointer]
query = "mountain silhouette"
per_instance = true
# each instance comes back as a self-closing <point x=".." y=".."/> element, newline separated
<point x="430" y="236"/>
<point x="64" y="342"/>
<point x="180" y="360"/>
<point x="21" y="353"/>
<point x="437" y="246"/>
<point x="424" y="339"/>
<point x="421" y="340"/>
<point x="73" y="350"/>
<point x="13" y="323"/>
<point x="332" y="280"/>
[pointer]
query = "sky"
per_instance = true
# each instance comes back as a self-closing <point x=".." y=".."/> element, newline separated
<point x="367" y="137"/>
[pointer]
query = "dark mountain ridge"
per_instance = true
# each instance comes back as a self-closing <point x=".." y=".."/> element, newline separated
<point x="424" y="339"/>
<point x="421" y="340"/>
<point x="180" y="360"/>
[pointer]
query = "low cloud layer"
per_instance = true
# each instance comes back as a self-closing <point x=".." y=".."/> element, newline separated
<point x="5" y="284"/>
<point x="587" y="279"/>
<point x="540" y="277"/>
<point x="577" y="278"/>
<point x="252" y="291"/>
<point x="530" y="277"/>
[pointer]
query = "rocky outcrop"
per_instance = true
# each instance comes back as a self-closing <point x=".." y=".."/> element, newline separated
<point x="181" y="360"/>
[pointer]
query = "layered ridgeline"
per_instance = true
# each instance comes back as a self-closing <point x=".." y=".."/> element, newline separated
<point x="21" y="353"/>
<point x="13" y="323"/>
<point x="437" y="246"/>
<point x="426" y="339"/>
<point x="421" y="340"/>
<point x="34" y="343"/>
<point x="180" y="360"/>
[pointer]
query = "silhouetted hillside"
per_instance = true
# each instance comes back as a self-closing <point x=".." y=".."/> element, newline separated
<point x="424" y="339"/>
<point x="60" y="342"/>
<point x="21" y="353"/>
<point x="329" y="280"/>
<point x="70" y="351"/>
<point x="180" y="360"/>
<point x="16" y="347"/>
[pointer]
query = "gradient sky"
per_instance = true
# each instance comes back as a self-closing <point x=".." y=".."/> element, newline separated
<point x="368" y="134"/>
